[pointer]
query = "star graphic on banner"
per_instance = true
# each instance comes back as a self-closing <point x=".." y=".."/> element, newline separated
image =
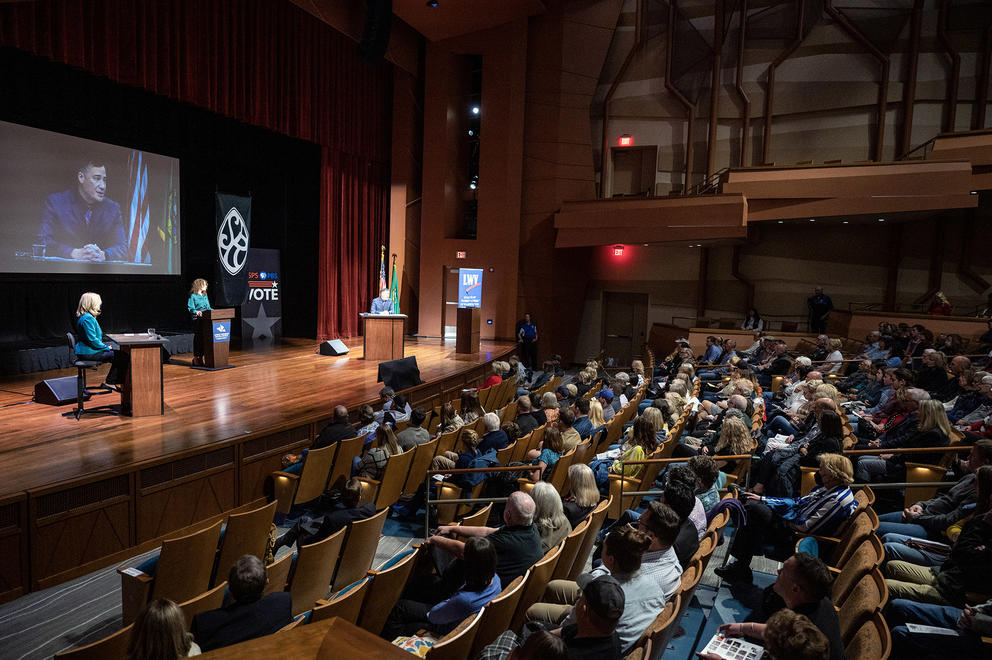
<point x="261" y="325"/>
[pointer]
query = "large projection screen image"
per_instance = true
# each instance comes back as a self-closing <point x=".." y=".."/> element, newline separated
<point x="71" y="205"/>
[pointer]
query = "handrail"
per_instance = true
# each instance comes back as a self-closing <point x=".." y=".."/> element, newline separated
<point x="923" y="146"/>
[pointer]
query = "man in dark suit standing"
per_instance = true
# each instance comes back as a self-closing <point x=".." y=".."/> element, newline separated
<point x="250" y="615"/>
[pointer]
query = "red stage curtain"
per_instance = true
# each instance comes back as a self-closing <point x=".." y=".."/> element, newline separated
<point x="264" y="62"/>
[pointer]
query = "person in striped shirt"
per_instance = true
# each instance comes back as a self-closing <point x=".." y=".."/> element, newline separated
<point x="774" y="520"/>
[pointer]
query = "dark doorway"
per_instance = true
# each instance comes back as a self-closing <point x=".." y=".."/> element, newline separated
<point x="625" y="322"/>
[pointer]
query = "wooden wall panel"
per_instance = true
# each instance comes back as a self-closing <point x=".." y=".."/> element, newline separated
<point x="14" y="575"/>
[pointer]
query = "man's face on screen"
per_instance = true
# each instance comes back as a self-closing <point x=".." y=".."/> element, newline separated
<point x="93" y="184"/>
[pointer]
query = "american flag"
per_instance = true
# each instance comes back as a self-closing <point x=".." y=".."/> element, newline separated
<point x="138" y="218"/>
<point x="382" y="269"/>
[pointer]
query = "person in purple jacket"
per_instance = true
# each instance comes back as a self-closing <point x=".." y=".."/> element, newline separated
<point x="82" y="223"/>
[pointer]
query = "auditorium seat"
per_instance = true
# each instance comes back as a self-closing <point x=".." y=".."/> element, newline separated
<point x="419" y="464"/>
<point x="867" y="556"/>
<point x="596" y="518"/>
<point x="871" y="641"/>
<point x="477" y="518"/>
<point x="359" y="548"/>
<point x="504" y="455"/>
<point x="313" y="570"/>
<point x="347" y="451"/>
<point x="182" y="571"/>
<point x="498" y="613"/>
<point x="570" y="548"/>
<point x="666" y="620"/>
<point x="208" y="600"/>
<point x="537" y="581"/>
<point x="456" y="644"/>
<point x="278" y="574"/>
<point x="836" y="551"/>
<point x="111" y="646"/>
<point x="346" y="603"/>
<point x="922" y="473"/>
<point x="291" y="489"/>
<point x="387" y="586"/>
<point x="866" y="598"/>
<point x="245" y="534"/>
<point x="385" y="491"/>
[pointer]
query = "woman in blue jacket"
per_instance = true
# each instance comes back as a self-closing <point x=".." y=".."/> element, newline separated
<point x="197" y="304"/>
<point x="89" y="339"/>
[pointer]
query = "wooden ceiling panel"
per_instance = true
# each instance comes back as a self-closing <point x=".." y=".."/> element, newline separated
<point x="453" y="18"/>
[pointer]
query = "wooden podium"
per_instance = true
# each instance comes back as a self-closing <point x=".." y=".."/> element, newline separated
<point x="467" y="330"/>
<point x="142" y="393"/>
<point x="383" y="336"/>
<point x="216" y="345"/>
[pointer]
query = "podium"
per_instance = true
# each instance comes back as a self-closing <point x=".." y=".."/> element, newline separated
<point x="142" y="393"/>
<point x="467" y="330"/>
<point x="383" y="338"/>
<point x="215" y="332"/>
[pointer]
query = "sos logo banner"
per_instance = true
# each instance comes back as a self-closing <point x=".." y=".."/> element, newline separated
<point x="261" y="313"/>
<point x="233" y="237"/>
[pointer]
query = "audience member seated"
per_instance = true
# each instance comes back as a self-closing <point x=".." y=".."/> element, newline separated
<point x="414" y="434"/>
<point x="517" y="543"/>
<point x="786" y="636"/>
<point x="375" y="455"/>
<point x="441" y="616"/>
<point x="339" y="429"/>
<point x="623" y="552"/>
<point x="966" y="569"/>
<point x="494" y="438"/>
<point x="605" y="398"/>
<point x="582" y="424"/>
<point x="707" y="474"/>
<point x="775" y="520"/>
<point x="249" y="615"/>
<point x="549" y="515"/>
<point x="779" y="364"/>
<point x="592" y="636"/>
<point x="595" y="417"/>
<point x="495" y="378"/>
<point x="525" y="418"/>
<point x="347" y="513"/>
<point x="678" y="495"/>
<point x="471" y="409"/>
<point x="778" y="471"/>
<point x="570" y="437"/>
<point x="546" y="456"/>
<point x="549" y="405"/>
<point x="932" y="375"/>
<point x="924" y="552"/>
<point x="366" y="425"/>
<point x="734" y="440"/>
<point x="642" y="442"/>
<point x="970" y="623"/>
<point x="713" y="351"/>
<point x="450" y="420"/>
<point x="394" y="406"/>
<point x="537" y="409"/>
<point x="929" y="519"/>
<point x="159" y="633"/>
<point x="931" y="430"/>
<point x="584" y="495"/>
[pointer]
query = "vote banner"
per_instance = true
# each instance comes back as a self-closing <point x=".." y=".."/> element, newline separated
<point x="233" y="235"/>
<point x="469" y="287"/>
<point x="261" y="313"/>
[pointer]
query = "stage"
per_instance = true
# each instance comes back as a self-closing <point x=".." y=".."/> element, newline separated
<point x="77" y="493"/>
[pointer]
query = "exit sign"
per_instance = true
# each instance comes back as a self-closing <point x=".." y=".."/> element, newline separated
<point x="461" y="254"/>
<point x="625" y="141"/>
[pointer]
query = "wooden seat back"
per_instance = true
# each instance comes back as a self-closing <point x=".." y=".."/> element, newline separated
<point x="313" y="570"/>
<point x="208" y="600"/>
<point x="560" y="473"/>
<point x="505" y="455"/>
<point x="389" y="486"/>
<point x="246" y="534"/>
<point x="872" y="641"/>
<point x="456" y="644"/>
<point x="596" y="518"/>
<point x="867" y="556"/>
<point x="347" y="451"/>
<point x="278" y="574"/>
<point x="346" y="604"/>
<point x="520" y="448"/>
<point x="111" y="646"/>
<point x="313" y="478"/>
<point x="537" y="582"/>
<point x="667" y="618"/>
<point x="499" y="612"/>
<point x="446" y="442"/>
<point x="860" y="527"/>
<point x="419" y="464"/>
<point x="359" y="549"/>
<point x="866" y="597"/>
<point x="921" y="473"/>
<point x="570" y="548"/>
<point x="383" y="594"/>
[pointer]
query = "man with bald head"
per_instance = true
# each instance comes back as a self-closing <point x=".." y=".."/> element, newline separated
<point x="339" y="429"/>
<point x="517" y="543"/>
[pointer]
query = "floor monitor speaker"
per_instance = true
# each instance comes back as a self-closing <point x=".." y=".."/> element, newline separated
<point x="333" y="347"/>
<point x="56" y="391"/>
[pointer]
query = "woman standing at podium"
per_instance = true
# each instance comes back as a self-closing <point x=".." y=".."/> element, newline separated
<point x="197" y="304"/>
<point x="89" y="339"/>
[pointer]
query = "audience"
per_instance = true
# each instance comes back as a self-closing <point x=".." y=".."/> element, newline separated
<point x="159" y="633"/>
<point x="339" y="429"/>
<point x="584" y="495"/>
<point x="494" y="438"/>
<point x="549" y="515"/>
<point x="249" y="615"/>
<point x="341" y="517"/>
<point x="525" y="418"/>
<point x="414" y="434"/>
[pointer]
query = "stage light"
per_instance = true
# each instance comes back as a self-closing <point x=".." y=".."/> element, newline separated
<point x="617" y="250"/>
<point x="781" y="222"/>
<point x="812" y="219"/>
<point x="475" y="109"/>
<point x="432" y="3"/>
<point x="471" y="133"/>
<point x="625" y="140"/>
<point x="845" y="222"/>
<point x="881" y="219"/>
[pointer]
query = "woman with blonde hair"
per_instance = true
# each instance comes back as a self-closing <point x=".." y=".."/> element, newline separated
<point x="468" y="441"/>
<point x="833" y="363"/>
<point x="596" y="416"/>
<point x="373" y="460"/>
<point x="549" y="516"/>
<point x="676" y="402"/>
<point x="584" y="494"/>
<point x="657" y="421"/>
<point x="197" y="304"/>
<point x="159" y="633"/>
<point x="549" y="404"/>
<point x="89" y="340"/>
<point x="637" y="368"/>
<point x="450" y="420"/>
<point x="735" y="439"/>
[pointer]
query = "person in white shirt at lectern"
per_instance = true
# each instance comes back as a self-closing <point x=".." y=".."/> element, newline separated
<point x="382" y="304"/>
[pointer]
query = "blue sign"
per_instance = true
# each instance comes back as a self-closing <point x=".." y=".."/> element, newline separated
<point x="222" y="332"/>
<point x="470" y="287"/>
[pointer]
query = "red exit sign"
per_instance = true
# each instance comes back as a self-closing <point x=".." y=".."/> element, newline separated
<point x="625" y="141"/>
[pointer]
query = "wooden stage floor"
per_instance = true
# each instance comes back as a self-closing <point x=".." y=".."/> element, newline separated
<point x="270" y="389"/>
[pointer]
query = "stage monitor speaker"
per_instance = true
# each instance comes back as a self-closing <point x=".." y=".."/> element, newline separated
<point x="333" y="347"/>
<point x="56" y="391"/>
<point x="400" y="374"/>
<point x="375" y="37"/>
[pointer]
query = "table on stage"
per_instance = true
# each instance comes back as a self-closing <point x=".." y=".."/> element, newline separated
<point x="333" y="638"/>
<point x="142" y="393"/>
<point x="383" y="337"/>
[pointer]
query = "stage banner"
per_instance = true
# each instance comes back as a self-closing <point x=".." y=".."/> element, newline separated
<point x="469" y="287"/>
<point x="233" y="234"/>
<point x="261" y="314"/>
